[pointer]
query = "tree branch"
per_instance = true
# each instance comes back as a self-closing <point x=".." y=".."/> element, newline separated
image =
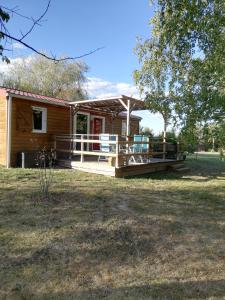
<point x="6" y="34"/>
<point x="35" y="22"/>
<point x="14" y="11"/>
<point x="47" y="56"/>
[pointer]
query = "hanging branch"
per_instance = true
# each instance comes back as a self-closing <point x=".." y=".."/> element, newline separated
<point x="35" y="22"/>
<point x="49" y="57"/>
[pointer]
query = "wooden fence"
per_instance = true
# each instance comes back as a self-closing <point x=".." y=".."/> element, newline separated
<point x="119" y="150"/>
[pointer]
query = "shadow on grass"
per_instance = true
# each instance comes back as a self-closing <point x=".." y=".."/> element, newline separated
<point x="90" y="230"/>
<point x="169" y="290"/>
<point x="111" y="227"/>
<point x="208" y="169"/>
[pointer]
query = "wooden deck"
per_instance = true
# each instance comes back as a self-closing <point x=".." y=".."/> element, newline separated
<point x="103" y="167"/>
<point x="117" y="156"/>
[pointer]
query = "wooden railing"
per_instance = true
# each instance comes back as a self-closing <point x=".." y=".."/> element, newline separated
<point x="119" y="149"/>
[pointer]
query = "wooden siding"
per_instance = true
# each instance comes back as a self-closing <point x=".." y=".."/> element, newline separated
<point x="3" y="127"/>
<point x="23" y="139"/>
<point x="115" y="127"/>
<point x="58" y="122"/>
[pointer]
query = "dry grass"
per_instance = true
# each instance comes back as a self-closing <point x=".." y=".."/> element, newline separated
<point x="154" y="237"/>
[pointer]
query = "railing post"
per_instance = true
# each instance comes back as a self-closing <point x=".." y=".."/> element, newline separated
<point x="117" y="151"/>
<point x="70" y="147"/>
<point x="55" y="147"/>
<point x="82" y="149"/>
<point x="178" y="150"/>
<point x="149" y="148"/>
<point x="164" y="149"/>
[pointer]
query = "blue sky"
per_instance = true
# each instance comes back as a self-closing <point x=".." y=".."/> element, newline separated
<point x="76" y="27"/>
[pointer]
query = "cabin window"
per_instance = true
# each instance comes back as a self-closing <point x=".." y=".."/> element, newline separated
<point x="124" y="128"/>
<point x="39" y="119"/>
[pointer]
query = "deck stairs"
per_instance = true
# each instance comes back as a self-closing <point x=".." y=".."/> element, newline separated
<point x="180" y="168"/>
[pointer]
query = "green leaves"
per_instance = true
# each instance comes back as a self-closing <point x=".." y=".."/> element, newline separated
<point x="4" y="16"/>
<point x="185" y="59"/>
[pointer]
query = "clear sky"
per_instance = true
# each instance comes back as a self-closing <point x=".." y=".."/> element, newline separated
<point x="74" y="27"/>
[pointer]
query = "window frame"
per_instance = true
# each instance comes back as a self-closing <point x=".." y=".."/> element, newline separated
<point x="43" y="121"/>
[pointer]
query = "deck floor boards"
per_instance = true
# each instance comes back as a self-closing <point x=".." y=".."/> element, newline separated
<point x="103" y="167"/>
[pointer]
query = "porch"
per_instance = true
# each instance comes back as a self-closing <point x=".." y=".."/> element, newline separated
<point x="115" y="155"/>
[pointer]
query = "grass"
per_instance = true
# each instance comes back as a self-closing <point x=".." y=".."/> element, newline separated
<point x="160" y="236"/>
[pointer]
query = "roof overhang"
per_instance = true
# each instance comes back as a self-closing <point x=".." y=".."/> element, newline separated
<point x="112" y="105"/>
<point x="41" y="100"/>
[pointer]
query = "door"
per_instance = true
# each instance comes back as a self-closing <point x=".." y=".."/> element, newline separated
<point x="97" y="129"/>
<point x="82" y="127"/>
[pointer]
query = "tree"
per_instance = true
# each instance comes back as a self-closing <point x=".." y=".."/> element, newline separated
<point x="187" y="42"/>
<point x="192" y="33"/>
<point x="171" y="136"/>
<point x="6" y="38"/>
<point x="152" y="78"/>
<point x="63" y="79"/>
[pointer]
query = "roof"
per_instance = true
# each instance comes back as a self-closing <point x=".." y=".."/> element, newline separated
<point x="123" y="114"/>
<point x="110" y="105"/>
<point x="35" y="97"/>
<point x="115" y="104"/>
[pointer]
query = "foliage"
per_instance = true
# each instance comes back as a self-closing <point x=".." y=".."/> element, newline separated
<point x="4" y="18"/>
<point x="193" y="34"/>
<point x="171" y="136"/>
<point x="146" y="131"/>
<point x="187" y="42"/>
<point x="153" y="76"/>
<point x="63" y="79"/>
<point x="189" y="137"/>
<point x="206" y="137"/>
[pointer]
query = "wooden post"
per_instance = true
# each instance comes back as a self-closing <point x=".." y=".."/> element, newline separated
<point x="117" y="151"/>
<point x="178" y="150"/>
<point x="128" y="129"/>
<point x="149" y="148"/>
<point x="112" y="117"/>
<point x="82" y="149"/>
<point x="128" y="118"/>
<point x="55" y="147"/>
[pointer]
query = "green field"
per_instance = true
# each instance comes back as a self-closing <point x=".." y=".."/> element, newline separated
<point x="160" y="236"/>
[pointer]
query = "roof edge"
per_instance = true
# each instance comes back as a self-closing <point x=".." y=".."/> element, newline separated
<point x="38" y="99"/>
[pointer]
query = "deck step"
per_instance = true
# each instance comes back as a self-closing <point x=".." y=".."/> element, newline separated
<point x="63" y="163"/>
<point x="177" y="166"/>
<point x="184" y="169"/>
<point x="90" y="167"/>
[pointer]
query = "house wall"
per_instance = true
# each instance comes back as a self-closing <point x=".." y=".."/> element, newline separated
<point x="115" y="127"/>
<point x="58" y="122"/>
<point x="3" y="127"/>
<point x="23" y="139"/>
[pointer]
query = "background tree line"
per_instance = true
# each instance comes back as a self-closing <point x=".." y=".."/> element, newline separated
<point x="64" y="79"/>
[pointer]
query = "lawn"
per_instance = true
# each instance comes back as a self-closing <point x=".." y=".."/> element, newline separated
<point x="160" y="236"/>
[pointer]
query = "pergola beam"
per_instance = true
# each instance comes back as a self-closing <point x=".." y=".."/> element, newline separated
<point x="123" y="103"/>
<point x="112" y="105"/>
<point x="128" y="117"/>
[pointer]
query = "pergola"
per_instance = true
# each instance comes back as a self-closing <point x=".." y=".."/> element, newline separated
<point x="112" y="105"/>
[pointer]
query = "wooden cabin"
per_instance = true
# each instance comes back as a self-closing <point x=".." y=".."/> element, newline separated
<point x="95" y="135"/>
<point x="30" y="122"/>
